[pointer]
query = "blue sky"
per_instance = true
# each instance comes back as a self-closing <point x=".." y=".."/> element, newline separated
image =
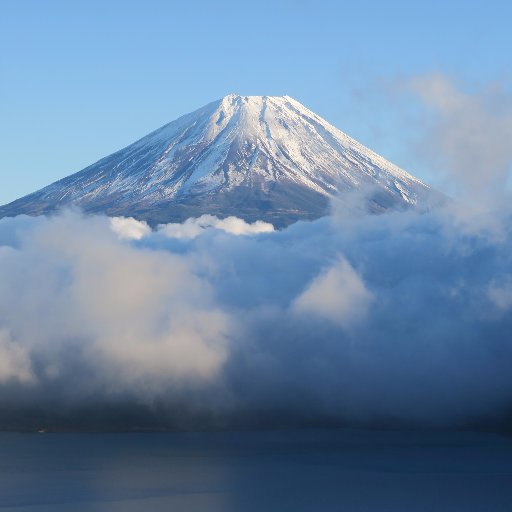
<point x="81" y="80"/>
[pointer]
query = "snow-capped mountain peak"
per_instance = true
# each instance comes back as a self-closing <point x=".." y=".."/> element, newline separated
<point x="265" y="157"/>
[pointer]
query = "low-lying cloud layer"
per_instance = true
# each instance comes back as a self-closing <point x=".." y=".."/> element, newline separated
<point x="398" y="319"/>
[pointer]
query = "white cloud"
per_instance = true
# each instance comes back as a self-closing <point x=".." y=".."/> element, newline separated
<point x="194" y="226"/>
<point x="14" y="361"/>
<point x="128" y="228"/>
<point x="138" y="318"/>
<point x="337" y="294"/>
<point x="500" y="293"/>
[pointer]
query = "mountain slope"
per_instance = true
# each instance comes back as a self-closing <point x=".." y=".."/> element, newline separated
<point x="257" y="157"/>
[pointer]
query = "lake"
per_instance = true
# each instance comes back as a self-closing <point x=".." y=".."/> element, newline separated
<point x="300" y="470"/>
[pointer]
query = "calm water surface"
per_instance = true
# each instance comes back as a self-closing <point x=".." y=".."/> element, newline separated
<point x="309" y="470"/>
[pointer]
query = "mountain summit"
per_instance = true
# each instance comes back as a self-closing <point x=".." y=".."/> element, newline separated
<point x="256" y="157"/>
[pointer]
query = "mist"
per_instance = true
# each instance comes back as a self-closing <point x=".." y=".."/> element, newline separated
<point x="398" y="318"/>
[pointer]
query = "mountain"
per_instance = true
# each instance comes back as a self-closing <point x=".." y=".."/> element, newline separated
<point x="256" y="157"/>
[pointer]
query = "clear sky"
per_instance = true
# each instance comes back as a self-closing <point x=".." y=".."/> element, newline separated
<point x="80" y="80"/>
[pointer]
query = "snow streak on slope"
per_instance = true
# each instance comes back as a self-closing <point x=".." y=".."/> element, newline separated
<point x="261" y="157"/>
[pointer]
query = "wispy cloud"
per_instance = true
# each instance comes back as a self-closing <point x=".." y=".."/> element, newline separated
<point x="467" y="136"/>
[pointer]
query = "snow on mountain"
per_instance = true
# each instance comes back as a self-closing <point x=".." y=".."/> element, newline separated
<point x="256" y="157"/>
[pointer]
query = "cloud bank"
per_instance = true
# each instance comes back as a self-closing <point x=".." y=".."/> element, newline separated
<point x="400" y="318"/>
<point x="355" y="319"/>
